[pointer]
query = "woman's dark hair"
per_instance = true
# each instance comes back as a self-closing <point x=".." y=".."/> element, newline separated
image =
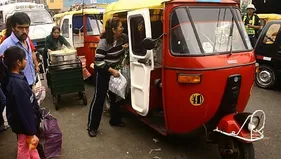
<point x="55" y="28"/>
<point x="9" y="61"/>
<point x="9" y="29"/>
<point x="108" y="33"/>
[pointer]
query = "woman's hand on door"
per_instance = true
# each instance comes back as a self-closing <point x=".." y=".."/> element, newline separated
<point x="126" y="46"/>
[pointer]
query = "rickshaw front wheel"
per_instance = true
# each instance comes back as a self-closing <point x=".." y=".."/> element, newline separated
<point x="106" y="106"/>
<point x="84" y="98"/>
<point x="266" y="77"/>
<point x="237" y="150"/>
<point x="56" y="101"/>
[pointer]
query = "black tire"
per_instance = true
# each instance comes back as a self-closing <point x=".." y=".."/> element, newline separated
<point x="55" y="101"/>
<point x="107" y="103"/>
<point x="84" y="99"/>
<point x="266" y="77"/>
<point x="106" y="106"/>
<point x="80" y="94"/>
<point x="244" y="151"/>
<point x="59" y="98"/>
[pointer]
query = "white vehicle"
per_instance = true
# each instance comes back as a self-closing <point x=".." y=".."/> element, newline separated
<point x="3" y="2"/>
<point x="41" y="21"/>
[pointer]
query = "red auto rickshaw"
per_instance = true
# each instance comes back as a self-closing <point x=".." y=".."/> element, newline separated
<point x="82" y="29"/>
<point x="193" y="72"/>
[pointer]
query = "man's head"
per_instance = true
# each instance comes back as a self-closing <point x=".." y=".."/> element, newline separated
<point x="251" y="9"/>
<point x="20" y="25"/>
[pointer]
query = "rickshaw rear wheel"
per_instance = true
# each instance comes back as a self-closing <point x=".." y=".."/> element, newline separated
<point x="106" y="106"/>
<point x="84" y="98"/>
<point x="239" y="150"/>
<point x="56" y="101"/>
<point x="266" y="77"/>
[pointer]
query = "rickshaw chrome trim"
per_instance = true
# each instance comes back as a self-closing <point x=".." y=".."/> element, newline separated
<point x="209" y="69"/>
<point x="255" y="134"/>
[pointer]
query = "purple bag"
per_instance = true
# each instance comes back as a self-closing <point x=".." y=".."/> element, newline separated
<point x="50" y="136"/>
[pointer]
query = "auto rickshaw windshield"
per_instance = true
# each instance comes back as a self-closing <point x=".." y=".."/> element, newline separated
<point x="194" y="33"/>
<point x="94" y="25"/>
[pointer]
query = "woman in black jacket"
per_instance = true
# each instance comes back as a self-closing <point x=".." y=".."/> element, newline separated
<point x="108" y="58"/>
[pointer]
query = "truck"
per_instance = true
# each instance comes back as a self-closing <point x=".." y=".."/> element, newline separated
<point x="41" y="20"/>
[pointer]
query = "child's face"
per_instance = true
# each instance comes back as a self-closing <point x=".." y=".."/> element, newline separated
<point x="22" y="64"/>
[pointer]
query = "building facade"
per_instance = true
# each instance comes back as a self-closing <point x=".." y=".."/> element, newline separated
<point x="55" y="4"/>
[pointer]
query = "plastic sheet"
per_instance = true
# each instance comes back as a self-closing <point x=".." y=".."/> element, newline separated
<point x="118" y="85"/>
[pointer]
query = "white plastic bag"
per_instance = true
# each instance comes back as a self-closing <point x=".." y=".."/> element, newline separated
<point x="39" y="91"/>
<point x="118" y="85"/>
<point x="6" y="124"/>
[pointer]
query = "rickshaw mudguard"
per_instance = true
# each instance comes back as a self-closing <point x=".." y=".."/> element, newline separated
<point x="230" y="126"/>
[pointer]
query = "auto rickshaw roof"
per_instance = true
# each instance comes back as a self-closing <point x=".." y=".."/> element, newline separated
<point x="128" y="5"/>
<point x="270" y="16"/>
<point x="58" y="15"/>
<point x="84" y="11"/>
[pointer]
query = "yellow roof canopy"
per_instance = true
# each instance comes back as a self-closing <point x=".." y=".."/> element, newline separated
<point x="84" y="11"/>
<point x="127" y="5"/>
<point x="270" y="16"/>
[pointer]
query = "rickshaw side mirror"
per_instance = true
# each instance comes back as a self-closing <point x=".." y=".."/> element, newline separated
<point x="148" y="43"/>
<point x="76" y="31"/>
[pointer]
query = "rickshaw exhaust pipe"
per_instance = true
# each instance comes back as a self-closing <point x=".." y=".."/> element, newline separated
<point x="158" y="83"/>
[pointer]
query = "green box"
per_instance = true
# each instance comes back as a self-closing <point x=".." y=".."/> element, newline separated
<point x="65" y="81"/>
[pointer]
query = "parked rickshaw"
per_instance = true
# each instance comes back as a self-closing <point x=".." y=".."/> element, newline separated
<point x="264" y="18"/>
<point x="268" y="55"/>
<point x="57" y="18"/>
<point x="192" y="73"/>
<point x="82" y="29"/>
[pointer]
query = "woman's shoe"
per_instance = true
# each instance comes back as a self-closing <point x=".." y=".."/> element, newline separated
<point x="92" y="133"/>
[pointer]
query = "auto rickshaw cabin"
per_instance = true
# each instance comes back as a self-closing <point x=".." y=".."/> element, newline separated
<point x="82" y="29"/>
<point x="268" y="17"/>
<point x="192" y="68"/>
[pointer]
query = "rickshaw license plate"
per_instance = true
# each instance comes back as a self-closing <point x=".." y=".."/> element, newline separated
<point x="196" y="99"/>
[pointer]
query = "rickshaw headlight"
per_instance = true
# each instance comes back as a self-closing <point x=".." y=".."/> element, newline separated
<point x="189" y="78"/>
<point x="257" y="67"/>
<point x="254" y="123"/>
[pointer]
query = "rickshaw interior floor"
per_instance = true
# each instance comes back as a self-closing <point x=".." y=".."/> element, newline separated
<point x="156" y="121"/>
<point x="155" y="90"/>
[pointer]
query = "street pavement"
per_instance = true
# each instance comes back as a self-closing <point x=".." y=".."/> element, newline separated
<point x="137" y="141"/>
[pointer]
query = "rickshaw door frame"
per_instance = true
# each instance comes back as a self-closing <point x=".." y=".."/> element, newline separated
<point x="269" y="51"/>
<point x="69" y="38"/>
<point x="140" y="66"/>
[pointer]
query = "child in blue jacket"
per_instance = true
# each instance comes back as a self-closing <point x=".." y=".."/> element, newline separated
<point x="22" y="107"/>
